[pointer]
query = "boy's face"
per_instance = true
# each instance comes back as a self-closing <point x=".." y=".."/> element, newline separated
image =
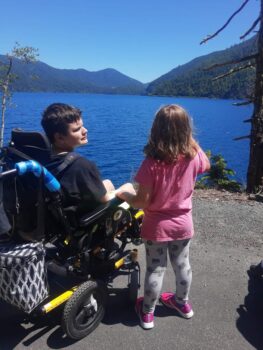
<point x="76" y="136"/>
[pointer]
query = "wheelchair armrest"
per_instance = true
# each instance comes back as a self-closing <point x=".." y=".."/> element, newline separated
<point x="99" y="212"/>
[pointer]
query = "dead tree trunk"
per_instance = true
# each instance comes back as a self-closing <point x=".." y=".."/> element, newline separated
<point x="255" y="167"/>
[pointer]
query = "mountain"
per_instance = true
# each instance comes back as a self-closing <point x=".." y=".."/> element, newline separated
<point x="190" y="79"/>
<point x="42" y="77"/>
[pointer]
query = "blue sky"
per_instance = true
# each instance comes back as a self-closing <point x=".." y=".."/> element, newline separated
<point x="143" y="39"/>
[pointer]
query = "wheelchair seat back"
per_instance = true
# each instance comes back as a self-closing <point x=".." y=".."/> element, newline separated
<point x="24" y="196"/>
<point x="36" y="214"/>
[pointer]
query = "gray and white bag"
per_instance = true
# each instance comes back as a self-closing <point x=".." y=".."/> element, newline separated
<point x="23" y="277"/>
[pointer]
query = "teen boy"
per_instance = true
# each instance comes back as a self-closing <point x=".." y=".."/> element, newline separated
<point x="81" y="182"/>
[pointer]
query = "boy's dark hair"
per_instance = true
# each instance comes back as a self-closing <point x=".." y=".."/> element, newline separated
<point x="56" y="117"/>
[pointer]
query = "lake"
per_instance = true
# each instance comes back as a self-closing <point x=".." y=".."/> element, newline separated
<point x="118" y="127"/>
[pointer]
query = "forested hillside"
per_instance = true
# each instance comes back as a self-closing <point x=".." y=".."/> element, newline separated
<point x="191" y="79"/>
<point x="42" y="77"/>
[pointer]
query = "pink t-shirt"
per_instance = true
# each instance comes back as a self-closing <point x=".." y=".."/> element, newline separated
<point x="168" y="217"/>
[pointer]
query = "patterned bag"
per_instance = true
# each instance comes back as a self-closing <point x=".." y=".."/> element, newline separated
<point x="23" y="277"/>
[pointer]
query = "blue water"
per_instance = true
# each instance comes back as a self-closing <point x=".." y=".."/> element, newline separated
<point x="118" y="127"/>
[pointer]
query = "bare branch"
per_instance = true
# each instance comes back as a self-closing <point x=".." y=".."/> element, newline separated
<point x="246" y="58"/>
<point x="248" y="102"/>
<point x="232" y="71"/>
<point x="247" y="120"/>
<point x="251" y="28"/>
<point x="209" y="37"/>
<point x="242" y="138"/>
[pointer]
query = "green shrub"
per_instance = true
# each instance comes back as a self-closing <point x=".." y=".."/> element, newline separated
<point x="219" y="176"/>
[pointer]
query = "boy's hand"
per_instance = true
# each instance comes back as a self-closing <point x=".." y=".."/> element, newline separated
<point x="124" y="190"/>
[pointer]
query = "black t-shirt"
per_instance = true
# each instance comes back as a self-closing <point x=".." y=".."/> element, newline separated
<point x="81" y="184"/>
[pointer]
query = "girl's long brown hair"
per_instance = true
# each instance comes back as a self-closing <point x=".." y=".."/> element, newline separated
<point x="171" y="135"/>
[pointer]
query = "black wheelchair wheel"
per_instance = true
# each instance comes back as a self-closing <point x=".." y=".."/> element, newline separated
<point x="84" y="310"/>
<point x="134" y="285"/>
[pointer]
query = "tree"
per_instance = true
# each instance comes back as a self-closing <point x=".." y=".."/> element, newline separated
<point x="7" y="77"/>
<point x="219" y="176"/>
<point x="255" y="167"/>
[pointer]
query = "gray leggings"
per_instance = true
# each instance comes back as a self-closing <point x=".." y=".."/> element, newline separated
<point x="156" y="263"/>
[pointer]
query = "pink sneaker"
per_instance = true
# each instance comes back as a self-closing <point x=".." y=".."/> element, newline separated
<point x="146" y="320"/>
<point x="185" y="310"/>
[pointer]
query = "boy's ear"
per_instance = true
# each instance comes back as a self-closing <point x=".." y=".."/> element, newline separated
<point x="58" y="137"/>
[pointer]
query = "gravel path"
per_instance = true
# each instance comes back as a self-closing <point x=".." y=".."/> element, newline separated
<point x="226" y="219"/>
<point x="228" y="305"/>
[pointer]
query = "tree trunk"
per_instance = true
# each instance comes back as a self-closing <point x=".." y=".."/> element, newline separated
<point x="2" y="125"/>
<point x="5" y="94"/>
<point x="255" y="167"/>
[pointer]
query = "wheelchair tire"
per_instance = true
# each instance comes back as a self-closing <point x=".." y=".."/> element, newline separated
<point x="134" y="286"/>
<point x="85" y="309"/>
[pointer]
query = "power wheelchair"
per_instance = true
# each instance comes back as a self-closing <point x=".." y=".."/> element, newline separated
<point x="87" y="252"/>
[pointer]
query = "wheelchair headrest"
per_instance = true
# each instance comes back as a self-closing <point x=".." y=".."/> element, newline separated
<point x="21" y="138"/>
<point x="33" y="144"/>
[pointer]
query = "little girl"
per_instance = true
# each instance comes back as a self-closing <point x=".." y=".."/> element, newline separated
<point x="166" y="180"/>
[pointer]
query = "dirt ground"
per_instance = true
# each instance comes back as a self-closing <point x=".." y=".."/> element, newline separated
<point x="227" y="302"/>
